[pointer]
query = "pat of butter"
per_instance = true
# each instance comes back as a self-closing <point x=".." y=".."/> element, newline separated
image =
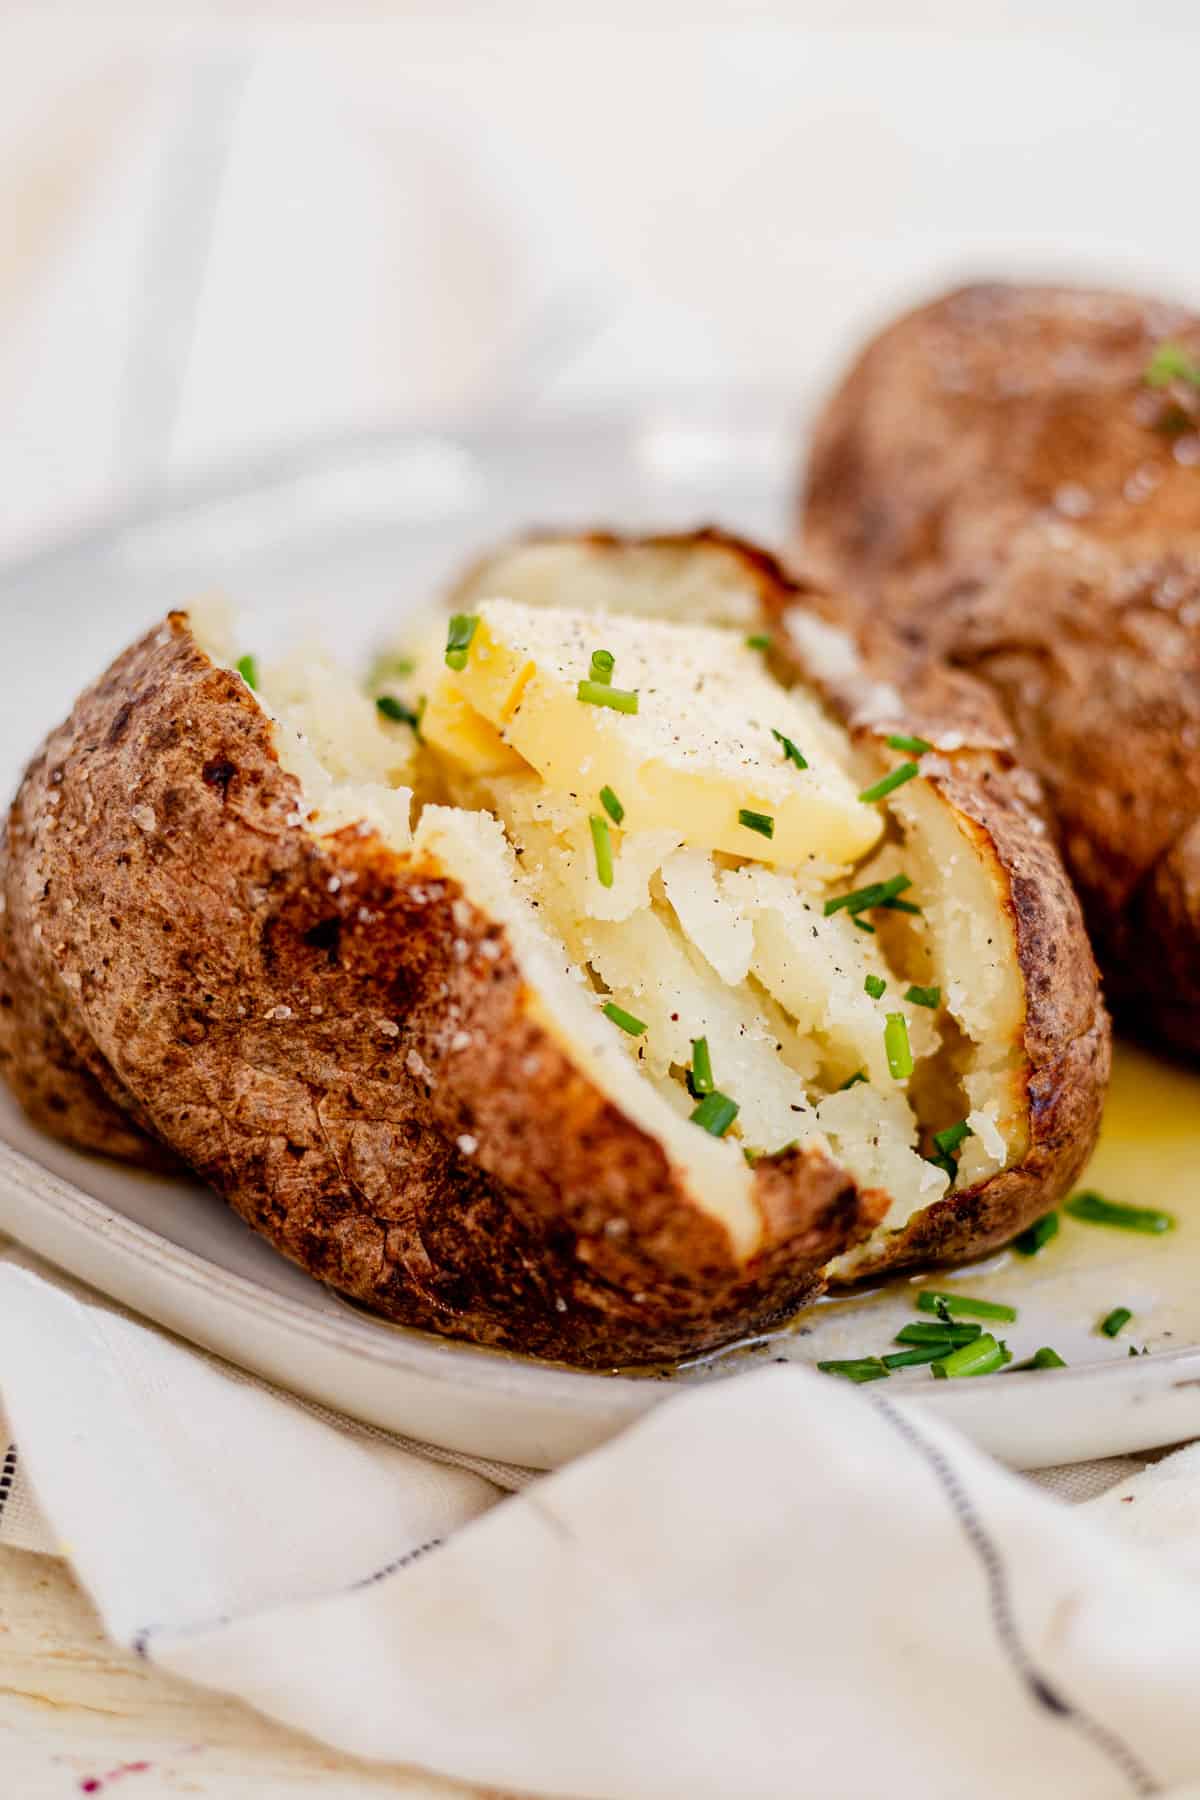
<point x="698" y="751"/>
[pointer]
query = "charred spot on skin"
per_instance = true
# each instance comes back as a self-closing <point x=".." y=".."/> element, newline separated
<point x="325" y="935"/>
<point x="218" y="773"/>
<point x="121" y="718"/>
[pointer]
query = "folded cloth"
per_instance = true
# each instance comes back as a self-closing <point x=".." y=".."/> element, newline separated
<point x="769" y="1585"/>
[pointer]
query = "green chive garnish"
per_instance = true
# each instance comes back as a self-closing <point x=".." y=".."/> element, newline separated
<point x="1094" y="1209"/>
<point x="602" y="845"/>
<point x="1045" y="1358"/>
<point x="928" y="1301"/>
<point x="951" y="1335"/>
<point x="626" y="1021"/>
<point x="763" y="823"/>
<point x="899" y="1050"/>
<point x="790" y="750"/>
<point x="458" y="639"/>
<point x="876" y="986"/>
<point x="396" y="710"/>
<point x="863" y="925"/>
<point x="898" y="776"/>
<point x="920" y="1353"/>
<point x="914" y="745"/>
<point x="611" y="805"/>
<point x="866" y="899"/>
<point x="853" y="1080"/>
<point x="1038" y="1235"/>
<point x="602" y="666"/>
<point x="598" y="693"/>
<point x="904" y="906"/>
<point x="1116" y="1321"/>
<point x="759" y="640"/>
<point x="247" y="668"/>
<point x="924" y="996"/>
<point x="861" y="1368"/>
<point x="701" y="1082"/>
<point x="1171" y="362"/>
<point x="715" y="1114"/>
<point x="948" y="1141"/>
<point x="983" y="1357"/>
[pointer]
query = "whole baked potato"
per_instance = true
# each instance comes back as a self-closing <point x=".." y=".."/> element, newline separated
<point x="1012" y="475"/>
<point x="603" y="988"/>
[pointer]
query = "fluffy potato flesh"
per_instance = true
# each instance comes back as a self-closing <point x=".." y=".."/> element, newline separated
<point x="703" y="931"/>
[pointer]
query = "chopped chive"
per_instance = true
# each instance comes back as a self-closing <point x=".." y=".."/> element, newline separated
<point x="866" y="899"/>
<point x="860" y="1368"/>
<point x="791" y="752"/>
<point x="602" y="845"/>
<point x="1038" y="1235"/>
<point x="948" y="1141"/>
<point x="626" y="1021"/>
<point x="759" y="640"/>
<point x="927" y="1301"/>
<point x="1116" y="1321"/>
<point x="715" y="1113"/>
<point x="898" y="776"/>
<point x="1045" y="1358"/>
<point x="1094" y="1209"/>
<point x="863" y="925"/>
<point x="611" y="805"/>
<point x="920" y="1353"/>
<point x="915" y="745"/>
<point x="598" y="693"/>
<point x="952" y="1335"/>
<point x="983" y="1357"/>
<point x="946" y="1164"/>
<point x="763" y="823"/>
<point x="904" y="906"/>
<point x="458" y="639"/>
<point x="853" y="1080"/>
<point x="394" y="709"/>
<point x="924" y="996"/>
<point x="602" y="666"/>
<point x="247" y="668"/>
<point x="899" y="1050"/>
<point x="702" y="1075"/>
<point x="876" y="986"/>
<point x="1171" y="362"/>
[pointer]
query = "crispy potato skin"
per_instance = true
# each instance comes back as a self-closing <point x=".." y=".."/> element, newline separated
<point x="340" y="1043"/>
<point x="996" y="474"/>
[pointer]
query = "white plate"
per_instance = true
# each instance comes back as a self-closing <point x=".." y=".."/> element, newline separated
<point x="355" y="534"/>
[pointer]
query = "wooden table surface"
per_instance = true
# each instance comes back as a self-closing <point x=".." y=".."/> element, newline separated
<point x="80" y="1716"/>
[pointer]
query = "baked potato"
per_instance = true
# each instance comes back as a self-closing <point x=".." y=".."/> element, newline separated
<point x="604" y="988"/>
<point x="1013" y="475"/>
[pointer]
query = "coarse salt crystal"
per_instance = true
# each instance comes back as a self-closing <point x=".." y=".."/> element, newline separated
<point x="467" y="1144"/>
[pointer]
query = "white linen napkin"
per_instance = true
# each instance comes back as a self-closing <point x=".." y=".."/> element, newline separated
<point x="776" y="1584"/>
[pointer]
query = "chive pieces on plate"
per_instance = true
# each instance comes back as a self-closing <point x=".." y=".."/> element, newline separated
<point x="1038" y="1235"/>
<point x="1116" y="1321"/>
<point x="1093" y="1209"/>
<point x="941" y="1303"/>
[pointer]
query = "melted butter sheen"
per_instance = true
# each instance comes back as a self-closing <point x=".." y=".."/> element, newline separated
<point x="1148" y="1155"/>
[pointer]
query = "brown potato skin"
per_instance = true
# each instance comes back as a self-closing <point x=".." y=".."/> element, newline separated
<point x="280" y="1013"/>
<point x="996" y="474"/>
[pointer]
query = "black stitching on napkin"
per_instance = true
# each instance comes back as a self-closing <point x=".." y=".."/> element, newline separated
<point x="8" y="1476"/>
<point x="1000" y="1601"/>
<point x="140" y="1642"/>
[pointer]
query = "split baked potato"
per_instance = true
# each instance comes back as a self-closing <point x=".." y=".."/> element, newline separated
<point x="1012" y="474"/>
<point x="603" y="985"/>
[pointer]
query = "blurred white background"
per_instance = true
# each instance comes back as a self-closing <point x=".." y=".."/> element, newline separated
<point x="232" y="230"/>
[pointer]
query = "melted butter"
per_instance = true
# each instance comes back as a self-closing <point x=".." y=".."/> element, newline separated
<point x="1148" y="1155"/>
